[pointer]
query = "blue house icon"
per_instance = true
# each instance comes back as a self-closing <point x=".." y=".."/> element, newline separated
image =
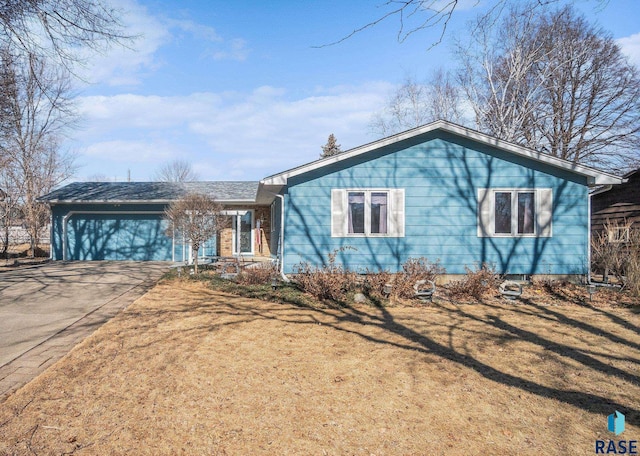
<point x="615" y="423"/>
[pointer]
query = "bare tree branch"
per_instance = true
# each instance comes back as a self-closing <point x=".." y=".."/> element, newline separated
<point x="198" y="218"/>
<point x="553" y="82"/>
<point x="176" y="171"/>
<point x="418" y="15"/>
<point x="35" y="113"/>
<point x="414" y="104"/>
<point x="58" y="29"/>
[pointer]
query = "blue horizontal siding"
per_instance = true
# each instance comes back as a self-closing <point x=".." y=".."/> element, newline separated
<point x="441" y="176"/>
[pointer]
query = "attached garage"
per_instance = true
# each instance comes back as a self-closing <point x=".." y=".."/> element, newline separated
<point x="116" y="236"/>
<point x="125" y="221"/>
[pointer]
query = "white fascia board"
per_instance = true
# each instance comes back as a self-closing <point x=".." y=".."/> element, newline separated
<point x="57" y="201"/>
<point x="594" y="177"/>
<point x="237" y="201"/>
<point x="234" y="201"/>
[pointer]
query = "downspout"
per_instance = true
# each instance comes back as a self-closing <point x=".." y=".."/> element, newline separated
<point x="281" y="246"/>
<point x="589" y="237"/>
<point x="51" y="233"/>
<point x="602" y="190"/>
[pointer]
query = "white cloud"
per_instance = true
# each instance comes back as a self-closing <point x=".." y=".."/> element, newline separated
<point x="127" y="65"/>
<point x="631" y="47"/>
<point x="140" y="111"/>
<point x="235" y="49"/>
<point x="202" y="32"/>
<point x="134" y="151"/>
<point x="225" y="135"/>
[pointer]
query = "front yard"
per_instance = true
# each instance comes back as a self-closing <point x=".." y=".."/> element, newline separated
<point x="187" y="369"/>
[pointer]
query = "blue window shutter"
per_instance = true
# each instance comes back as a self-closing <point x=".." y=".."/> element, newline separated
<point x="338" y="212"/>
<point x="545" y="211"/>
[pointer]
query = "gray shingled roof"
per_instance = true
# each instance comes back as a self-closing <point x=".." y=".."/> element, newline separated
<point x="84" y="192"/>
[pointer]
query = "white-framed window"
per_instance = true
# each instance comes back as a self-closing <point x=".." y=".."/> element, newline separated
<point x="514" y="212"/>
<point x="367" y="212"/>
<point x="618" y="234"/>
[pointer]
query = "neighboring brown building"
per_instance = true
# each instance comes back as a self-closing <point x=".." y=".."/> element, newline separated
<point x="619" y="204"/>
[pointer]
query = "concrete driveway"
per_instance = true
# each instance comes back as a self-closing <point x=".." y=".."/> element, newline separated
<point x="38" y="303"/>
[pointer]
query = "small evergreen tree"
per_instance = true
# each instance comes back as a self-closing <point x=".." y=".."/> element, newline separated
<point x="331" y="147"/>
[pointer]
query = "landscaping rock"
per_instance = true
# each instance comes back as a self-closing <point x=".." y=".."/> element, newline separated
<point x="360" y="298"/>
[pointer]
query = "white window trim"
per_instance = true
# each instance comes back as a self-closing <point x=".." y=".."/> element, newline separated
<point x="395" y="212"/>
<point x="367" y="212"/>
<point x="514" y="212"/>
<point x="619" y="234"/>
<point x="486" y="222"/>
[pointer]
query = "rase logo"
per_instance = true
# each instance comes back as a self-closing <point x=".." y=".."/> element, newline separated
<point x="615" y="424"/>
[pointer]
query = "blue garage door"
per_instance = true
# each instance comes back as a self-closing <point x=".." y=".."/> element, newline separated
<point x="139" y="237"/>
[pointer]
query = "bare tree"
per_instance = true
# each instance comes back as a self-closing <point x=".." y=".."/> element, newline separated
<point x="414" y="104"/>
<point x="198" y="218"/>
<point x="498" y="75"/>
<point x="592" y="94"/>
<point x="331" y="147"/>
<point x="446" y="98"/>
<point x="8" y="211"/>
<point x="36" y="111"/>
<point x="99" y="177"/>
<point x="57" y="29"/>
<point x="418" y="15"/>
<point x="553" y="82"/>
<point x="176" y="171"/>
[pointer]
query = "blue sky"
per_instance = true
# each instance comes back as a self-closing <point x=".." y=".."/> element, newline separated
<point x="241" y="89"/>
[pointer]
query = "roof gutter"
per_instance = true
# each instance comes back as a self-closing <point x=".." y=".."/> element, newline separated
<point x="56" y="201"/>
<point x="606" y="188"/>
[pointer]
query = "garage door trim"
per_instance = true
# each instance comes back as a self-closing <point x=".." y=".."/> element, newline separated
<point x="66" y="218"/>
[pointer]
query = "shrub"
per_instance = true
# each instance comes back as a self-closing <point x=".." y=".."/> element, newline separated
<point x="618" y="255"/>
<point x="631" y="279"/>
<point x="257" y="275"/>
<point x="549" y="285"/>
<point x="415" y="269"/>
<point x="609" y="253"/>
<point x="476" y="283"/>
<point x="328" y="282"/>
<point x="374" y="283"/>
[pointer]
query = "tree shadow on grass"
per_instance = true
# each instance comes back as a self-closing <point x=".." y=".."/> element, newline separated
<point x="587" y="401"/>
<point x="380" y="317"/>
<point x="360" y="320"/>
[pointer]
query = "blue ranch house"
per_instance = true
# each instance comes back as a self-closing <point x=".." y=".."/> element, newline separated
<point x="440" y="191"/>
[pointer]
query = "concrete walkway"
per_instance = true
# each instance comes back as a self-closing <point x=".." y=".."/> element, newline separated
<point x="46" y="310"/>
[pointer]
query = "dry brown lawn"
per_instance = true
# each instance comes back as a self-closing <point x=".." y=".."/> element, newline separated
<point x="188" y="370"/>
